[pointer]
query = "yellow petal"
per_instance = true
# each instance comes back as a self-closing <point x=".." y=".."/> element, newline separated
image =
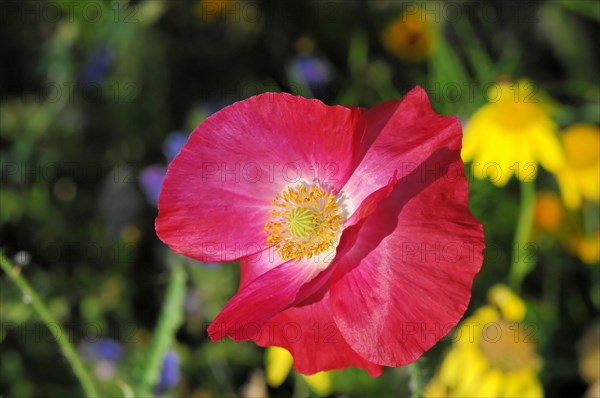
<point x="319" y="382"/>
<point x="569" y="190"/>
<point x="473" y="369"/>
<point x="547" y="147"/>
<point x="533" y="390"/>
<point x="489" y="160"/>
<point x="589" y="183"/>
<point x="580" y="176"/>
<point x="588" y="248"/>
<point x="450" y="370"/>
<point x="435" y="389"/>
<point x="504" y="159"/>
<point x="491" y="385"/>
<point x="582" y="145"/>
<point x="485" y="314"/>
<point x="278" y="362"/>
<point x="514" y="383"/>
<point x="526" y="163"/>
<point x="512" y="307"/>
<point x="522" y="384"/>
<point x="473" y="138"/>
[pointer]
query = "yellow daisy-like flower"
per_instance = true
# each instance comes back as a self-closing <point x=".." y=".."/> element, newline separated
<point x="411" y="36"/>
<point x="580" y="177"/>
<point x="511" y="134"/>
<point x="278" y="365"/>
<point x="493" y="354"/>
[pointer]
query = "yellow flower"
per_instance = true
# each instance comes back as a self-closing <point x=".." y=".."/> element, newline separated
<point x="493" y="354"/>
<point x="278" y="365"/>
<point x="511" y="134"/>
<point x="511" y="306"/>
<point x="411" y="36"/>
<point x="580" y="177"/>
<point x="548" y="212"/>
<point x="587" y="248"/>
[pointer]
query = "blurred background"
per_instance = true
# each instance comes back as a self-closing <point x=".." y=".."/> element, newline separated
<point x="98" y="96"/>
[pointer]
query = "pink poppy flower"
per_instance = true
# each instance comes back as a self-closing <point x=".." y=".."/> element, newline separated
<point x="352" y="226"/>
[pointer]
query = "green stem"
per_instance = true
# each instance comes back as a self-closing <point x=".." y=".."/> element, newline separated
<point x="417" y="381"/>
<point x="300" y="387"/>
<point x="63" y="341"/>
<point x="171" y="317"/>
<point x="523" y="259"/>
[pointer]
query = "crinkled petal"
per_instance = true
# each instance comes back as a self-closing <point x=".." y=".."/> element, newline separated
<point x="251" y="267"/>
<point x="312" y="337"/>
<point x="399" y="136"/>
<point x="369" y="204"/>
<point x="217" y="191"/>
<point x="261" y="299"/>
<point x="406" y="281"/>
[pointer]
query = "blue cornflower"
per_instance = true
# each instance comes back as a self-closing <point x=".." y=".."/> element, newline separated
<point x="169" y="375"/>
<point x="173" y="144"/>
<point x="151" y="178"/>
<point x="98" y="65"/>
<point x="312" y="70"/>
<point x="108" y="349"/>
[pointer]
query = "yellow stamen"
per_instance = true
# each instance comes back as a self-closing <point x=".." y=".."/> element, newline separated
<point x="306" y="222"/>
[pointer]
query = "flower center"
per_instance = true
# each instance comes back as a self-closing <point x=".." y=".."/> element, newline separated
<point x="507" y="348"/>
<point x="300" y="222"/>
<point x="304" y="222"/>
<point x="518" y="115"/>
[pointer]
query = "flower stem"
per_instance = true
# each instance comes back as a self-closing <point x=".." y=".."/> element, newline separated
<point x="522" y="257"/>
<point x="171" y="317"/>
<point x="416" y="381"/>
<point x="300" y="387"/>
<point x="50" y="321"/>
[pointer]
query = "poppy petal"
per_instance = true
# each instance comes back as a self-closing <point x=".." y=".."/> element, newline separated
<point x="217" y="191"/>
<point x="310" y="334"/>
<point x="407" y="279"/>
<point x="399" y="136"/>
<point x="266" y="295"/>
<point x="251" y="267"/>
<point x="369" y="204"/>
